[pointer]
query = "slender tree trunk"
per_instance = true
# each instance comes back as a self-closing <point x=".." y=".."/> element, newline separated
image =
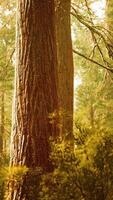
<point x="65" y="65"/>
<point x="92" y="117"/>
<point x="35" y="92"/>
<point x="2" y="123"/>
<point x="2" y="132"/>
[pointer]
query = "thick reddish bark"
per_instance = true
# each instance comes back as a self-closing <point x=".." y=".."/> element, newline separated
<point x="35" y="92"/>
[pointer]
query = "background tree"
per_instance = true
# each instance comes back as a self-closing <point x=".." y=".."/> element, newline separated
<point x="7" y="35"/>
<point x="65" y="65"/>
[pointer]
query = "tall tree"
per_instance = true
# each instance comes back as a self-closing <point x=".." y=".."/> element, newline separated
<point x="2" y="119"/>
<point x="35" y="88"/>
<point x="65" y="64"/>
<point x="7" y="34"/>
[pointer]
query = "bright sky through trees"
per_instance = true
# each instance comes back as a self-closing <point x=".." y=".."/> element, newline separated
<point x="98" y="8"/>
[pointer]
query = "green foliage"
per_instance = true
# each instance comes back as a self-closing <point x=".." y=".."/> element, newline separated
<point x="12" y="173"/>
<point x="16" y="172"/>
<point x="21" y="176"/>
<point x="85" y="173"/>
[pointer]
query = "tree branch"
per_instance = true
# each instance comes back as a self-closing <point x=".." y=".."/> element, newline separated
<point x="93" y="61"/>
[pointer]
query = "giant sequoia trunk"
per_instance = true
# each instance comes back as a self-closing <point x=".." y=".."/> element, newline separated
<point x="65" y="64"/>
<point x="36" y="91"/>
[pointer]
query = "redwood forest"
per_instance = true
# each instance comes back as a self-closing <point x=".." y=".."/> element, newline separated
<point x="56" y="100"/>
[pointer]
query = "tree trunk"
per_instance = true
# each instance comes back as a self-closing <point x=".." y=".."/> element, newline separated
<point x="2" y="132"/>
<point x="92" y="117"/>
<point x="65" y="65"/>
<point x="2" y="123"/>
<point x="35" y="92"/>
